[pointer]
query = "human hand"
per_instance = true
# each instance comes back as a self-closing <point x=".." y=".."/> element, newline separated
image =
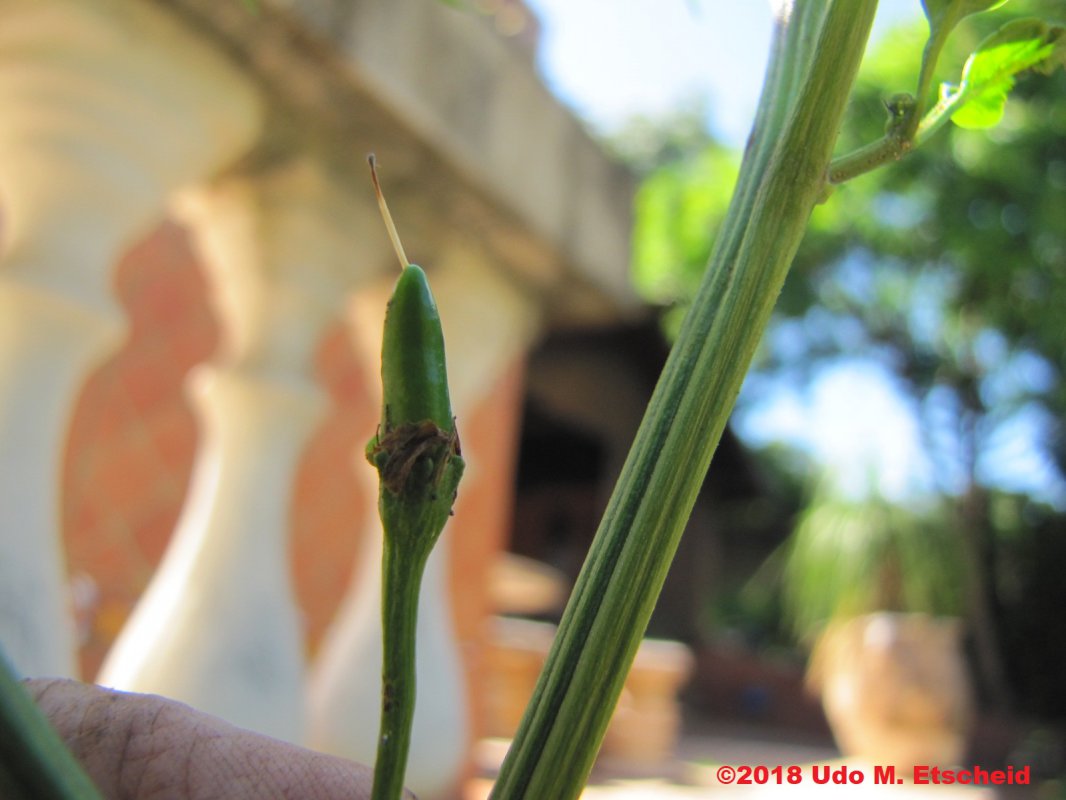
<point x="143" y="746"/>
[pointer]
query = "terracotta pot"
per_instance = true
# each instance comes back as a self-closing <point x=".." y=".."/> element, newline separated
<point x="514" y="659"/>
<point x="647" y="721"/>
<point x="895" y="689"/>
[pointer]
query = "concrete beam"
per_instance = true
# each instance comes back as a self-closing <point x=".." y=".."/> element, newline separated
<point x="468" y="137"/>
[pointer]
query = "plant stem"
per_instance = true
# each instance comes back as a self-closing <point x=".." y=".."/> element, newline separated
<point x="781" y="179"/>
<point x="401" y="578"/>
<point x="35" y="764"/>
<point x="897" y="143"/>
<point x="869" y="157"/>
<point x="414" y="502"/>
<point x="938" y="36"/>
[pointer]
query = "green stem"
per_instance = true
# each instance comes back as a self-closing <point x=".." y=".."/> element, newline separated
<point x="938" y="36"/>
<point x="420" y="468"/>
<point x="781" y="179"/>
<point x="869" y="157"/>
<point x="401" y="572"/>
<point x="897" y="143"/>
<point x="35" y="764"/>
<point x="414" y="501"/>
<point x="939" y="115"/>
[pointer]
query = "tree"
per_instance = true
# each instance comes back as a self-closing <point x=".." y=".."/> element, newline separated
<point x="952" y="276"/>
<point x="958" y="285"/>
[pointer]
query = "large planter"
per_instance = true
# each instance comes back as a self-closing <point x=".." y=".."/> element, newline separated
<point x="646" y="723"/>
<point x="895" y="689"/>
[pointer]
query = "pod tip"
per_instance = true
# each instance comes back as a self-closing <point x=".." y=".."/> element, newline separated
<point x="394" y="237"/>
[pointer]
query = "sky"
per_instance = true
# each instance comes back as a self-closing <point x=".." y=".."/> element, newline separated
<point x="611" y="62"/>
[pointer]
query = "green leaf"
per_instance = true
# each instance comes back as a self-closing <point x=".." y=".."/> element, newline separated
<point x="990" y="72"/>
<point x="943" y="15"/>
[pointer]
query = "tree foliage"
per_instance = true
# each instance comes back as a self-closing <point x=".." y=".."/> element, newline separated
<point x="948" y="266"/>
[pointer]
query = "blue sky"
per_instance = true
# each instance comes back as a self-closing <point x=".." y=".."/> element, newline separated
<point x="611" y="62"/>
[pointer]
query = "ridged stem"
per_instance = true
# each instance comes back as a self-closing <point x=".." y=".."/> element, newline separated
<point x="815" y="58"/>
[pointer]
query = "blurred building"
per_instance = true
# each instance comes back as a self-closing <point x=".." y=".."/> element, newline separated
<point x="193" y="276"/>
<point x="192" y="282"/>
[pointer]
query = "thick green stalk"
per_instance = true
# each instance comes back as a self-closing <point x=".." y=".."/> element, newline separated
<point x="816" y="56"/>
<point x="35" y="764"/>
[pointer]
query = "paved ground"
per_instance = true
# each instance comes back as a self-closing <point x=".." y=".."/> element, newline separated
<point x="693" y="775"/>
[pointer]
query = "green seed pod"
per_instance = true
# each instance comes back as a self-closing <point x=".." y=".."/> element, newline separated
<point x="417" y="435"/>
<point x="414" y="379"/>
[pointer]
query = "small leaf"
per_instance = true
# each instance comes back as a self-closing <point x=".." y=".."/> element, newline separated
<point x="990" y="72"/>
<point x="946" y="14"/>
